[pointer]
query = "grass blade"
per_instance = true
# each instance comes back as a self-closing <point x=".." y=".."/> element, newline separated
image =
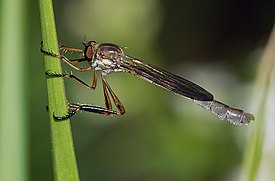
<point x="13" y="78"/>
<point x="64" y="161"/>
<point x="263" y="99"/>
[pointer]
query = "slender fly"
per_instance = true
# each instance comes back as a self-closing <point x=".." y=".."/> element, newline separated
<point x="107" y="58"/>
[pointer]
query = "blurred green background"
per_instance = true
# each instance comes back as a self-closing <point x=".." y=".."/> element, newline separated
<point x="162" y="136"/>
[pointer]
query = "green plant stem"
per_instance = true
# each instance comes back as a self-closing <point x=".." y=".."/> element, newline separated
<point x="64" y="161"/>
<point x="13" y="94"/>
<point x="253" y="153"/>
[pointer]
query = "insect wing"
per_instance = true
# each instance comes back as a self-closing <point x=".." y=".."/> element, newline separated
<point x="165" y="79"/>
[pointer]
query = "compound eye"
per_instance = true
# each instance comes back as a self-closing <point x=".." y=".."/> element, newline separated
<point x="89" y="52"/>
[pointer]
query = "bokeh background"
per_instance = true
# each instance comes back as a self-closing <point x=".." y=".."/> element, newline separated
<point x="162" y="136"/>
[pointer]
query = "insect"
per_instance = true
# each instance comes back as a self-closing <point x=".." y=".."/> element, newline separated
<point x="108" y="58"/>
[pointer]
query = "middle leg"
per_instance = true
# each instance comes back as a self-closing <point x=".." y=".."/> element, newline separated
<point x="70" y="75"/>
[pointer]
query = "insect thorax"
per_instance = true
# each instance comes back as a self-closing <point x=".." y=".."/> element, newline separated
<point x="107" y="58"/>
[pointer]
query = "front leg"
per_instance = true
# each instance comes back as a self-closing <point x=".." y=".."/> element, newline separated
<point x="67" y="48"/>
<point x="66" y="60"/>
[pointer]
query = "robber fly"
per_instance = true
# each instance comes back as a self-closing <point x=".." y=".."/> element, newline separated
<point x="107" y="58"/>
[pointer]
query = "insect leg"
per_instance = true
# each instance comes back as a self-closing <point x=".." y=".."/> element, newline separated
<point x="107" y="99"/>
<point x="117" y="102"/>
<point x="66" y="60"/>
<point x="67" y="48"/>
<point x="70" y="75"/>
<point x="77" y="107"/>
